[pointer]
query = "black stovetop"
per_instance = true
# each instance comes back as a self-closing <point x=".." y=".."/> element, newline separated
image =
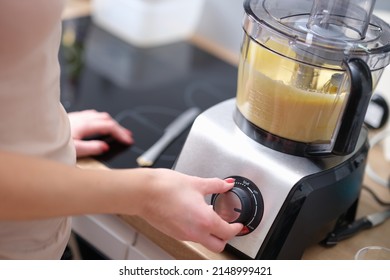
<point x="143" y="88"/>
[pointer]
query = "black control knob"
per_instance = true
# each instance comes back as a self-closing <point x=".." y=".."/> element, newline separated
<point x="242" y="204"/>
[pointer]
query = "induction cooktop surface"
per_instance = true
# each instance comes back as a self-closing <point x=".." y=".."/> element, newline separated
<point x="144" y="89"/>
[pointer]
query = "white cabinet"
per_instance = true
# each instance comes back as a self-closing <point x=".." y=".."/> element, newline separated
<point x="144" y="249"/>
<point x="116" y="239"/>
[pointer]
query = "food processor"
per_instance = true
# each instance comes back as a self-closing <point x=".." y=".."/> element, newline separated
<point x="293" y="138"/>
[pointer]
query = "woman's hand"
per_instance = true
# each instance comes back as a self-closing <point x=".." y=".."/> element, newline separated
<point x="90" y="123"/>
<point x="175" y="205"/>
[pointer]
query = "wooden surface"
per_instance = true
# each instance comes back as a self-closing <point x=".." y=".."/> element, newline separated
<point x="346" y="249"/>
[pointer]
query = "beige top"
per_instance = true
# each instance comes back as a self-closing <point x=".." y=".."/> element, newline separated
<point x="32" y="120"/>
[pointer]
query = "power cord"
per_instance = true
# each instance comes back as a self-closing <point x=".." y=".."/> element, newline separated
<point x="370" y="172"/>
<point x="373" y="175"/>
<point x="376" y="197"/>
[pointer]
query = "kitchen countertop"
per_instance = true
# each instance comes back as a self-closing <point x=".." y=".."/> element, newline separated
<point x="189" y="250"/>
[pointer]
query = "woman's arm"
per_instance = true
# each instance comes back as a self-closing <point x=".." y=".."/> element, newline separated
<point x="33" y="188"/>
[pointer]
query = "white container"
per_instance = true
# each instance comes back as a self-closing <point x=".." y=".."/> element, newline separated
<point x="148" y="22"/>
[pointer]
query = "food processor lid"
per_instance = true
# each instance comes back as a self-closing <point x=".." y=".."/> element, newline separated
<point x="321" y="32"/>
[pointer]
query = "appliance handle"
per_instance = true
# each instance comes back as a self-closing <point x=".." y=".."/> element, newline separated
<point x="356" y="107"/>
